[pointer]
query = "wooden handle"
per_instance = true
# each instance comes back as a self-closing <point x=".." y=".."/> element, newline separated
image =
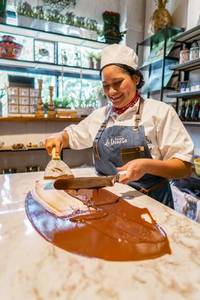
<point x="54" y="156"/>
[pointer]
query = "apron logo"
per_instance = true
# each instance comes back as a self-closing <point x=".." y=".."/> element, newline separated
<point x="115" y="141"/>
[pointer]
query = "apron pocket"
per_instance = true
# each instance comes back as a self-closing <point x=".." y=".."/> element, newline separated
<point x="128" y="154"/>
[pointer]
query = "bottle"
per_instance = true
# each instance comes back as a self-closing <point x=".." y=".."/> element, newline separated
<point x="182" y="111"/>
<point x="199" y="112"/>
<point x="188" y="111"/>
<point x="1" y="109"/>
<point x="195" y="110"/>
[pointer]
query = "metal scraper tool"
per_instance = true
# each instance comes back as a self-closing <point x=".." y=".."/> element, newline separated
<point x="56" y="167"/>
<point x="77" y="183"/>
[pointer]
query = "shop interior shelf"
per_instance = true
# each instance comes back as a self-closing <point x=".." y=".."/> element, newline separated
<point x="49" y="36"/>
<point x="34" y="119"/>
<point x="189" y="36"/>
<point x="48" y="68"/>
<point x="183" y="95"/>
<point x="191" y="123"/>
<point x="162" y="35"/>
<point x="157" y="63"/>
<point x="189" y="66"/>
<point x="158" y="90"/>
<point x="10" y="149"/>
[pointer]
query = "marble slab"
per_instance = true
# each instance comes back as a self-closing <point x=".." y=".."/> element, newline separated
<point x="33" y="269"/>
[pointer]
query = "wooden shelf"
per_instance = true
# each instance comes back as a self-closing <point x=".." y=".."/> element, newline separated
<point x="34" y="119"/>
<point x="10" y="149"/>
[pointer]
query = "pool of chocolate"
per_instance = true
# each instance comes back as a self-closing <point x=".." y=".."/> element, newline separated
<point x="112" y="230"/>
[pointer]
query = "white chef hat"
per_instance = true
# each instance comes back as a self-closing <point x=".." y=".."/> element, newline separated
<point x="119" y="54"/>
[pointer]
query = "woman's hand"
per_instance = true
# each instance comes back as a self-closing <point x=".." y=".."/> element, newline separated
<point x="55" y="140"/>
<point x="170" y="169"/>
<point x="135" y="169"/>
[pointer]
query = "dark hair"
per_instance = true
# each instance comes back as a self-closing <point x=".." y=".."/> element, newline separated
<point x="130" y="71"/>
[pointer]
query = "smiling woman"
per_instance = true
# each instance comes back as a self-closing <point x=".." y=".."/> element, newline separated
<point x="120" y="132"/>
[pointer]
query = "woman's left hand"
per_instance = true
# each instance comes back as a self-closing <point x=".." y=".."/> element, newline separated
<point x="135" y="169"/>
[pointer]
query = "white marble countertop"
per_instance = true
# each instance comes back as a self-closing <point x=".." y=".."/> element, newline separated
<point x="33" y="269"/>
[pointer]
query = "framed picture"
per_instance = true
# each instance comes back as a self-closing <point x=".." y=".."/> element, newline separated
<point x="44" y="51"/>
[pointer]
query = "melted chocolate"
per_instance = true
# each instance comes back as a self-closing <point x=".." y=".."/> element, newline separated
<point x="114" y="230"/>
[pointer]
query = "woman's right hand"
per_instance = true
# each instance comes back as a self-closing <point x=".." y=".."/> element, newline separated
<point x="55" y="140"/>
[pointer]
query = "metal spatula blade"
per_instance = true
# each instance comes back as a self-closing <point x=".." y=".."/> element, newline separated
<point x="56" y="167"/>
<point x="85" y="182"/>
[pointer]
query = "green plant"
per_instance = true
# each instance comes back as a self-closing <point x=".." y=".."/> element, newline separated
<point x="60" y="4"/>
<point x="25" y="9"/>
<point x="2" y="93"/>
<point x="111" y="28"/>
<point x="63" y="103"/>
<point x="52" y="13"/>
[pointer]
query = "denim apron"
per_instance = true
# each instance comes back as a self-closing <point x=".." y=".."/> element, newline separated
<point x="116" y="145"/>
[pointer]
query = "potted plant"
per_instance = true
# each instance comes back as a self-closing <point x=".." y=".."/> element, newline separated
<point x="111" y="27"/>
<point x="24" y="14"/>
<point x="3" y="4"/>
<point x="91" y="60"/>
<point x="59" y="5"/>
<point x="97" y="58"/>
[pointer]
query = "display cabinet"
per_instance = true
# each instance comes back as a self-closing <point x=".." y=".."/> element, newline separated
<point x="188" y="93"/>
<point x="60" y="60"/>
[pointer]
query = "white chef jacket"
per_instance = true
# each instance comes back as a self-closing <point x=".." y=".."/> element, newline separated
<point x="165" y="134"/>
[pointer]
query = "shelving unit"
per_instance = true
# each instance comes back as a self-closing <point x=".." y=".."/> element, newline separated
<point x="25" y="129"/>
<point x="185" y="39"/>
<point x="34" y="119"/>
<point x="49" y="68"/>
<point x="160" y="62"/>
<point x="49" y="36"/>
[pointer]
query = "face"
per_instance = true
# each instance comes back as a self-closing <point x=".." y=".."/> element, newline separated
<point x="118" y="86"/>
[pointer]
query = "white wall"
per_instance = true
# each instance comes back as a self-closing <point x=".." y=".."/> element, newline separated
<point x="193" y="17"/>
<point x="94" y="9"/>
<point x="132" y="14"/>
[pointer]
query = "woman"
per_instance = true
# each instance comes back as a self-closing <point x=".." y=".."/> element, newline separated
<point x="144" y="138"/>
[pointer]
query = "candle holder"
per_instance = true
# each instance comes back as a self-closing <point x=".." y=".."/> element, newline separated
<point x="51" y="108"/>
<point x="39" y="111"/>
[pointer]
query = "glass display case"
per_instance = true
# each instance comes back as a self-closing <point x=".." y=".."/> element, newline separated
<point x="70" y="64"/>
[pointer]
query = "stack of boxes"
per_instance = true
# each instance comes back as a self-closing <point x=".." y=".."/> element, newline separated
<point x="22" y="100"/>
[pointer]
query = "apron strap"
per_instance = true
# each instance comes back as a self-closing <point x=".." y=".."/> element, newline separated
<point x="100" y="131"/>
<point x="138" y="115"/>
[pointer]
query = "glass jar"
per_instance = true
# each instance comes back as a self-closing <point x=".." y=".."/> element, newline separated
<point x="194" y="53"/>
<point x="184" y="56"/>
<point x="183" y="86"/>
